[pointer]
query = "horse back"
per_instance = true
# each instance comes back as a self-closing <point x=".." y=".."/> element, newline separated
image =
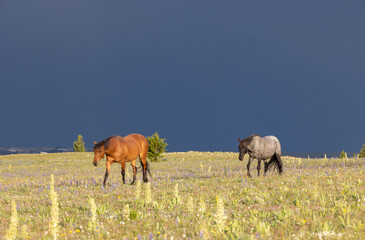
<point x="134" y="145"/>
<point x="274" y="141"/>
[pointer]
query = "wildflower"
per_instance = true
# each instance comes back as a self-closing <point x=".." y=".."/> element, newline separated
<point x="54" y="228"/>
<point x="93" y="221"/>
<point x="24" y="232"/>
<point x="12" y="231"/>
<point x="177" y="190"/>
<point x="138" y="189"/>
<point x="220" y="217"/>
<point x="209" y="170"/>
<point x="202" y="206"/>
<point x="126" y="212"/>
<point x="176" y="194"/>
<point x="190" y="205"/>
<point x="148" y="197"/>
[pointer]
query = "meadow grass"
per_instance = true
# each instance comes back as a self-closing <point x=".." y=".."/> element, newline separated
<point x="193" y="195"/>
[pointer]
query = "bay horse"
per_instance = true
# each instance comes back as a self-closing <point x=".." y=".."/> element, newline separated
<point x="121" y="150"/>
<point x="261" y="148"/>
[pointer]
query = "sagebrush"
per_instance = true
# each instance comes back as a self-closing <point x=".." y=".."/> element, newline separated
<point x="79" y="145"/>
<point x="156" y="147"/>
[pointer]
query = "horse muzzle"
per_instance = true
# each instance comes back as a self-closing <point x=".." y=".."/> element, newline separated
<point x="95" y="163"/>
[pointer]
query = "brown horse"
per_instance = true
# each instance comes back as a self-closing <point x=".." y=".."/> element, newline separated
<point x="123" y="149"/>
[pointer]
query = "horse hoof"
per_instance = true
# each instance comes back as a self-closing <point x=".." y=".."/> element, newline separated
<point x="145" y="180"/>
<point x="132" y="183"/>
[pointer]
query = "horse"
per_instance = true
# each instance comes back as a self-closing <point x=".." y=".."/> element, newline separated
<point x="121" y="150"/>
<point x="261" y="148"/>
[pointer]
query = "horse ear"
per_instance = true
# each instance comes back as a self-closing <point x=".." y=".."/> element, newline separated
<point x="95" y="143"/>
<point x="239" y="140"/>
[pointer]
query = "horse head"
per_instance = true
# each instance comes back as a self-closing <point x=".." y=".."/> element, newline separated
<point x="242" y="149"/>
<point x="99" y="152"/>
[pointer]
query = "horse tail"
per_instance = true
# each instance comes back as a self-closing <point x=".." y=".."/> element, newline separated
<point x="279" y="163"/>
<point x="277" y="158"/>
<point x="275" y="162"/>
<point x="147" y="166"/>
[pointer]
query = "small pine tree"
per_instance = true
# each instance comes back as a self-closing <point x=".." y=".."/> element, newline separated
<point x="156" y="147"/>
<point x="362" y="152"/>
<point x="342" y="154"/>
<point x="79" y="145"/>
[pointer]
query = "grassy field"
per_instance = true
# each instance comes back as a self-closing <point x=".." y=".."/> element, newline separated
<point x="192" y="195"/>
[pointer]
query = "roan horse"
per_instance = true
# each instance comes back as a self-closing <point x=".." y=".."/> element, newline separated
<point x="261" y="148"/>
<point x="121" y="150"/>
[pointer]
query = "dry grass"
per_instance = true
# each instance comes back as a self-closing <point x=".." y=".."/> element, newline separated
<point x="315" y="198"/>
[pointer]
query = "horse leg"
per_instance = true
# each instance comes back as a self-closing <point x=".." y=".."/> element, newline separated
<point x="123" y="171"/>
<point x="143" y="160"/>
<point x="108" y="164"/>
<point x="248" y="166"/>
<point x="258" y="167"/>
<point x="134" y="168"/>
<point x="266" y="164"/>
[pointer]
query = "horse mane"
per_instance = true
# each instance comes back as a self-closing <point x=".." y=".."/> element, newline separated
<point x="104" y="143"/>
<point x="248" y="140"/>
<point x="251" y="136"/>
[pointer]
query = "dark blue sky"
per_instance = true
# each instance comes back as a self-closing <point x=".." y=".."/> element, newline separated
<point x="201" y="73"/>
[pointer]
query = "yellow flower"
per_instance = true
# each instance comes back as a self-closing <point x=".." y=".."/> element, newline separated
<point x="77" y="230"/>
<point x="119" y="197"/>
<point x="69" y="231"/>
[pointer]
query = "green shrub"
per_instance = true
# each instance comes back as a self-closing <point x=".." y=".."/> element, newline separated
<point x="362" y="152"/>
<point x="342" y="154"/>
<point x="156" y="147"/>
<point x="79" y="145"/>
